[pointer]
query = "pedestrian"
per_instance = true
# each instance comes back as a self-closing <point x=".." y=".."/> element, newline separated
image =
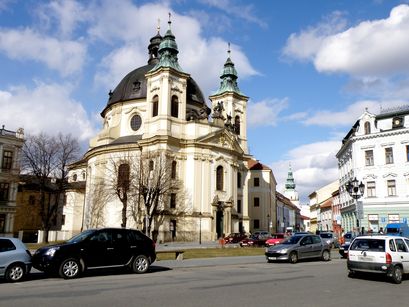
<point x="381" y="231"/>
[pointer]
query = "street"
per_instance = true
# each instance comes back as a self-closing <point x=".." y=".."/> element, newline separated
<point x="233" y="281"/>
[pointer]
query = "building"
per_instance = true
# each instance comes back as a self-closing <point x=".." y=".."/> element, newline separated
<point x="376" y="152"/>
<point x="262" y="203"/>
<point x="157" y="115"/>
<point x="288" y="215"/>
<point x="11" y="143"/>
<point x="321" y="207"/>
<point x="29" y="218"/>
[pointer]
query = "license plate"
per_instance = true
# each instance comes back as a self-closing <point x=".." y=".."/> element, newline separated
<point x="272" y="258"/>
<point x="367" y="259"/>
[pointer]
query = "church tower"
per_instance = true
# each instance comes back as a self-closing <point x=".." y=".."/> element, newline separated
<point x="290" y="192"/>
<point x="230" y="104"/>
<point x="167" y="90"/>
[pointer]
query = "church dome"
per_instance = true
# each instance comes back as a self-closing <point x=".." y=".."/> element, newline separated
<point x="134" y="85"/>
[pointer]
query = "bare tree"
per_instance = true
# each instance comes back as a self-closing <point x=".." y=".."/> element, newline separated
<point x="99" y="196"/>
<point x="46" y="157"/>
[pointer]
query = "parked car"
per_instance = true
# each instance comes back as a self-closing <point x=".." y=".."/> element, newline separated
<point x="345" y="243"/>
<point x="97" y="248"/>
<point x="329" y="238"/>
<point x="275" y="239"/>
<point x="255" y="240"/>
<point x="388" y="255"/>
<point x="15" y="259"/>
<point x="299" y="247"/>
<point x="235" y="237"/>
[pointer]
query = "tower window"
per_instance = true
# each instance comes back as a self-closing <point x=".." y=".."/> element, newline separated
<point x="256" y="182"/>
<point x="239" y="180"/>
<point x="219" y="178"/>
<point x="256" y="202"/>
<point x="155" y="106"/>
<point x="173" y="172"/>
<point x="237" y="125"/>
<point x="174" y="107"/>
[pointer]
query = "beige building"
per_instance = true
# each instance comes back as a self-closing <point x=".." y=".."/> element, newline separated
<point x="11" y="143"/>
<point x="158" y="111"/>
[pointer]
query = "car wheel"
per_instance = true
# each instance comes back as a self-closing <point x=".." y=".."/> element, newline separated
<point x="15" y="273"/>
<point x="293" y="257"/>
<point x="397" y="275"/>
<point x="140" y="264"/>
<point x="70" y="268"/>
<point x="326" y="256"/>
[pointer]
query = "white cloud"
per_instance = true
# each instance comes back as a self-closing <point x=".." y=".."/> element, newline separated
<point x="349" y="116"/>
<point x="202" y="57"/>
<point x="5" y="4"/>
<point x="46" y="108"/>
<point x="314" y="165"/>
<point x="64" y="14"/>
<point x="371" y="48"/>
<point x="265" y="113"/>
<point x="66" y="56"/>
<point x="305" y="45"/>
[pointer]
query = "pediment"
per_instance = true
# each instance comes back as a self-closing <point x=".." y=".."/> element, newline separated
<point x="223" y="139"/>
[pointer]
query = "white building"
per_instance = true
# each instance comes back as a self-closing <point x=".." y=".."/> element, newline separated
<point x="159" y="110"/>
<point x="376" y="152"/>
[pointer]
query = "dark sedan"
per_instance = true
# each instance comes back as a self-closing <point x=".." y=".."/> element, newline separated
<point x="299" y="247"/>
<point x="235" y="237"/>
<point x="255" y="240"/>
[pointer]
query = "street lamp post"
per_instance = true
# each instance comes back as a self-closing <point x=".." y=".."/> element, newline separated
<point x="200" y="227"/>
<point x="356" y="190"/>
<point x="268" y="222"/>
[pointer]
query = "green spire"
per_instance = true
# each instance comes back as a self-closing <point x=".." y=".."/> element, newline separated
<point x="229" y="77"/>
<point x="290" y="184"/>
<point x="168" y="51"/>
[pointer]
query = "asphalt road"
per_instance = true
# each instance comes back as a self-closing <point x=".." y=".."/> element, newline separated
<point x="233" y="281"/>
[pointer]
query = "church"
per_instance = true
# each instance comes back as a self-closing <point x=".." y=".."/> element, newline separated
<point x="167" y="163"/>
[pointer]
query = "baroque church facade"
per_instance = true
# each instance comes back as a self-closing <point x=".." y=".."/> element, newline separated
<point x="159" y="110"/>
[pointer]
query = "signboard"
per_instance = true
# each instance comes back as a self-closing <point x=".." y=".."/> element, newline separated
<point x="393" y="218"/>
<point x="372" y="217"/>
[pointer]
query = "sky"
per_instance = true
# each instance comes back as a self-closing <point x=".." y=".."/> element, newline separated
<point x="310" y="68"/>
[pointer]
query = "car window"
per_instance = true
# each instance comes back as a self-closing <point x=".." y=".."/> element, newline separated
<point x="326" y="235"/>
<point x="392" y="246"/>
<point x="80" y="237"/>
<point x="292" y="240"/>
<point x="316" y="239"/>
<point x="375" y="245"/>
<point x="101" y="236"/>
<point x="6" y="245"/>
<point x="306" y="240"/>
<point x="407" y="242"/>
<point x="401" y="246"/>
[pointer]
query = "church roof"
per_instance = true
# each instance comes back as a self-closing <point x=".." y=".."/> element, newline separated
<point x="134" y="84"/>
<point x="256" y="165"/>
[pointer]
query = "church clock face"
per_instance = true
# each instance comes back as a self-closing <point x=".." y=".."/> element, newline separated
<point x="136" y="122"/>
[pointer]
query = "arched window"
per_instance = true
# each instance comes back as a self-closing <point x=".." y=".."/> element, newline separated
<point x="219" y="178"/>
<point x="174" y="107"/>
<point x="123" y="176"/>
<point x="237" y="124"/>
<point x="173" y="173"/>
<point x="367" y="127"/>
<point x="155" y="106"/>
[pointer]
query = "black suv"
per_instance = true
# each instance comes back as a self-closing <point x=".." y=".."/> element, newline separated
<point x="97" y="248"/>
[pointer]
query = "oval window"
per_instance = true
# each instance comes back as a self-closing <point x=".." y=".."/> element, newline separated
<point x="136" y="122"/>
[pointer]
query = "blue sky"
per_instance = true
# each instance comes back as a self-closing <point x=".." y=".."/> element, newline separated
<point x="310" y="68"/>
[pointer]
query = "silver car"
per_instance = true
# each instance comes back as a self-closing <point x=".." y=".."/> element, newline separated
<point x="299" y="247"/>
<point x="15" y="259"/>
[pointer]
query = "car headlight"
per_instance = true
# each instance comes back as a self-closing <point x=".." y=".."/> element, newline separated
<point x="51" y="251"/>
<point x="282" y="251"/>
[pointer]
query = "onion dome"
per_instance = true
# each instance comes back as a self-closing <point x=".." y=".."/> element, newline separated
<point x="229" y="77"/>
